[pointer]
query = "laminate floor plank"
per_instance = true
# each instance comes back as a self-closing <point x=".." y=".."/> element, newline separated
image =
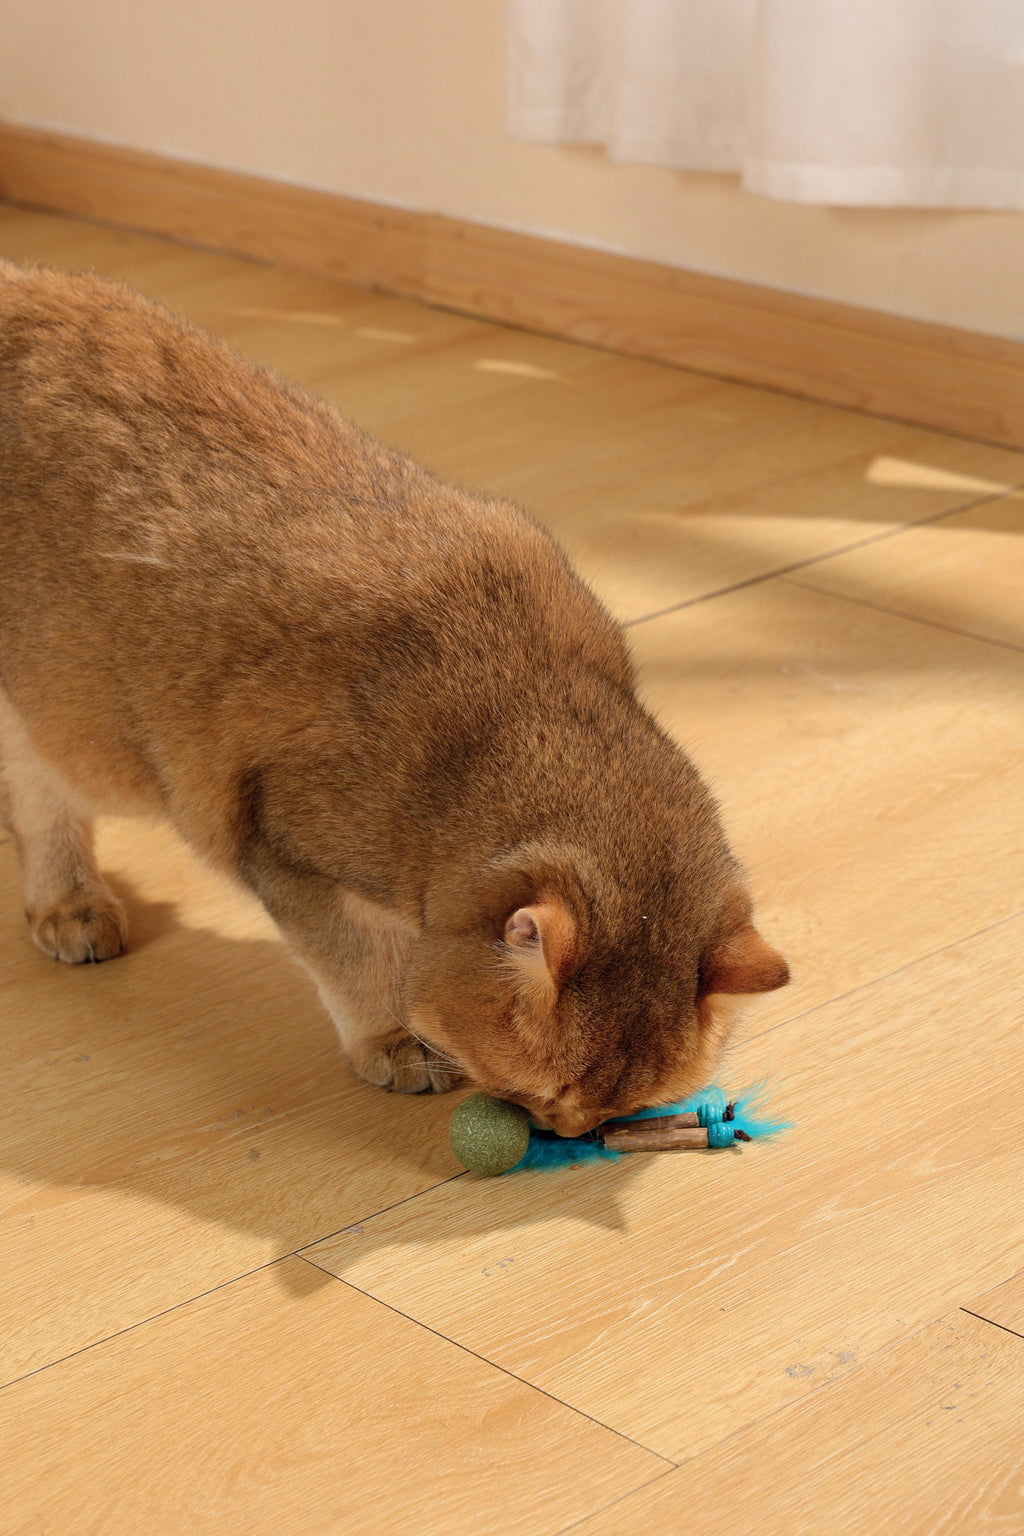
<point x="922" y="1439"/>
<point x="964" y="572"/>
<point x="289" y="1401"/>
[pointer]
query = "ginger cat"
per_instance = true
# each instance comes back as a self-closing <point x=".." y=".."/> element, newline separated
<point x="388" y="707"/>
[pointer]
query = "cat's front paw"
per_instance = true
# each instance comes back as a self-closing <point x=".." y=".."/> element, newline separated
<point x="402" y="1064"/>
<point x="81" y="929"/>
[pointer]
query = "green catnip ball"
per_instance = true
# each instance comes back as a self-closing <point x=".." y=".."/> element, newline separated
<point x="487" y="1135"/>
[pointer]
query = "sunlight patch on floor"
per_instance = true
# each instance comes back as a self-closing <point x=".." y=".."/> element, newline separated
<point x="517" y="370"/>
<point x="289" y="316"/>
<point x="374" y="333"/>
<point x="926" y="477"/>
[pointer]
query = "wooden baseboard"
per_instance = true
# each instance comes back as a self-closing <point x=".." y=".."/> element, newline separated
<point x="358" y="242"/>
<point x="930" y="375"/>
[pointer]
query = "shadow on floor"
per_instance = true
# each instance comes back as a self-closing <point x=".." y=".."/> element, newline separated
<point x="200" y="1073"/>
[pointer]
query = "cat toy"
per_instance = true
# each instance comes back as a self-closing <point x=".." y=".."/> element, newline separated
<point x="490" y="1136"/>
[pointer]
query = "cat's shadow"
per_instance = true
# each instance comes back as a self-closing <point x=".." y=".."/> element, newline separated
<point x="244" y="1115"/>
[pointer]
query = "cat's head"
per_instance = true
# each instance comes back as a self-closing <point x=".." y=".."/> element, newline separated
<point x="583" y="996"/>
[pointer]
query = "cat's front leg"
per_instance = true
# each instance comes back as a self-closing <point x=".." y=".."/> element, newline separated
<point x="363" y="999"/>
<point x="72" y="914"/>
<point x="357" y="953"/>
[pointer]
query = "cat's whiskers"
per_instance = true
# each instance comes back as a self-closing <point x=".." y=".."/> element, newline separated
<point x="440" y="1062"/>
<point x="390" y="1011"/>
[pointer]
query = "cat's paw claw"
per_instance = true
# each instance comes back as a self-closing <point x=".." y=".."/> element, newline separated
<point x="405" y="1065"/>
<point x="81" y="930"/>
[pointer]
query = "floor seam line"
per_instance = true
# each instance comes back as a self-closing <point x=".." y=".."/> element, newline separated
<point x="493" y="1364"/>
<point x="349" y="1225"/>
<point x="672" y="1465"/>
<point x="899" y="613"/>
<point x="292" y="1253"/>
<point x="843" y="549"/>
<point x="565" y="1530"/>
<point x="142" y="1321"/>
<point x="1016" y="1333"/>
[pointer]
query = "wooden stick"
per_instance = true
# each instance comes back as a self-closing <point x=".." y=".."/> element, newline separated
<point x="647" y="1136"/>
<point x="663" y="1122"/>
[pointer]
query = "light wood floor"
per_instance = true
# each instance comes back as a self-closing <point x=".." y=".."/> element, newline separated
<point x="243" y="1291"/>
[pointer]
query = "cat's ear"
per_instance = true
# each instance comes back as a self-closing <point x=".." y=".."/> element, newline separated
<point x="743" y="962"/>
<point x="540" y="947"/>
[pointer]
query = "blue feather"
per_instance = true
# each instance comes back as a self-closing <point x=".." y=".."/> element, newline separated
<point x="546" y="1150"/>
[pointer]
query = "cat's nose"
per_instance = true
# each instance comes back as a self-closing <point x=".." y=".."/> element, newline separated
<point x="568" y="1119"/>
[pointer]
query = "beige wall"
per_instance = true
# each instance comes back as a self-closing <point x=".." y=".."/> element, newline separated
<point x="401" y="100"/>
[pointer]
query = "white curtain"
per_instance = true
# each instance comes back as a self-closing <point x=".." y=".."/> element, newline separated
<point x="914" y="103"/>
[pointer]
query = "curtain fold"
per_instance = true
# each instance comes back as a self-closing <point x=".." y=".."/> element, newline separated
<point x="913" y="103"/>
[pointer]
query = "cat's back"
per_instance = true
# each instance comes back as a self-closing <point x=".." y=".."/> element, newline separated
<point x="153" y="482"/>
<point x="126" y="431"/>
<point x="107" y="398"/>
